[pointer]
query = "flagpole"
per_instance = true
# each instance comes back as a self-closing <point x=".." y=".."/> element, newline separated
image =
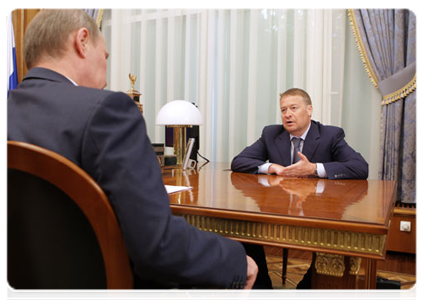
<point x="12" y="72"/>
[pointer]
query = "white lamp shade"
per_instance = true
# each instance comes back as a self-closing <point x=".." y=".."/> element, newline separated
<point x="179" y="112"/>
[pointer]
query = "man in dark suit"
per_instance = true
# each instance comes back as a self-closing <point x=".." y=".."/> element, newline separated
<point x="60" y="105"/>
<point x="300" y="147"/>
<point x="322" y="150"/>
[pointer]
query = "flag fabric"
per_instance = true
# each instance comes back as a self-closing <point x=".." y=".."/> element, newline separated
<point x="12" y="73"/>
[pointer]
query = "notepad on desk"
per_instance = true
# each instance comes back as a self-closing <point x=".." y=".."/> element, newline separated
<point x="176" y="188"/>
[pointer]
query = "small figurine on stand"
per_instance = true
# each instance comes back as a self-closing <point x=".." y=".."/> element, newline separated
<point x="133" y="93"/>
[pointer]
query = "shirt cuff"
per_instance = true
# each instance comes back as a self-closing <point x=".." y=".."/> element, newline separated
<point x="321" y="172"/>
<point x="264" y="168"/>
<point x="262" y="179"/>
<point x="320" y="187"/>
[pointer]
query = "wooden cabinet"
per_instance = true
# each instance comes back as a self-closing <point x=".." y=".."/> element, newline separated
<point x="21" y="18"/>
<point x="398" y="240"/>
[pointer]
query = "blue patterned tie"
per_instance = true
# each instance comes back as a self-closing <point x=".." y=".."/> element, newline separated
<point x="296" y="142"/>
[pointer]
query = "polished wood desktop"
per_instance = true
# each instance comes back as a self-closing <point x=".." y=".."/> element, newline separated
<point x="342" y="221"/>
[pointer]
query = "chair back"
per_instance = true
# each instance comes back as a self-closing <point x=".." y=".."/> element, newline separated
<point x="62" y="232"/>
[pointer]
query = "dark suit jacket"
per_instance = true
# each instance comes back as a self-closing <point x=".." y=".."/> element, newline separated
<point x="104" y="133"/>
<point x="323" y="144"/>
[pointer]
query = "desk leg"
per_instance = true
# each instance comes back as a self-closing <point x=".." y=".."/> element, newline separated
<point x="284" y="264"/>
<point x="333" y="272"/>
<point x="370" y="274"/>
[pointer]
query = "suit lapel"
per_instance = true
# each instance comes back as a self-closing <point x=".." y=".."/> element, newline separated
<point x="283" y="144"/>
<point x="311" y="142"/>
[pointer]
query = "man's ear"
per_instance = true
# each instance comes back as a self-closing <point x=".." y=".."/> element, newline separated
<point x="81" y="41"/>
<point x="310" y="110"/>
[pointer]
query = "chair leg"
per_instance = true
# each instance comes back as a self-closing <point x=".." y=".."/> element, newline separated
<point x="284" y="264"/>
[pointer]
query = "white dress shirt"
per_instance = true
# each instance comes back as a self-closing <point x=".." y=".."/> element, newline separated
<point x="321" y="172"/>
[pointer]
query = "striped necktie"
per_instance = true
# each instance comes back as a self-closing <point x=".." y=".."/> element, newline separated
<point x="296" y="141"/>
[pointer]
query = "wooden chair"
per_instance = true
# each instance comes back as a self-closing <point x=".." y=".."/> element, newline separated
<point x="62" y="231"/>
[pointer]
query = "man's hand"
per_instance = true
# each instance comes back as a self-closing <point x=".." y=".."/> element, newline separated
<point x="276" y="169"/>
<point x="252" y="271"/>
<point x="302" y="168"/>
<point x="274" y="180"/>
<point x="301" y="188"/>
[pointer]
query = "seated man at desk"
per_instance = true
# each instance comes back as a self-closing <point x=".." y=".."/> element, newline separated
<point x="300" y="147"/>
<point x="61" y="106"/>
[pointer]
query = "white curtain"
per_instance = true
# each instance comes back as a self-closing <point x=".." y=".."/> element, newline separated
<point x="234" y="64"/>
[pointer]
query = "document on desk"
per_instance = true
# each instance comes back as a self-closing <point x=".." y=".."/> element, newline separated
<point x="176" y="188"/>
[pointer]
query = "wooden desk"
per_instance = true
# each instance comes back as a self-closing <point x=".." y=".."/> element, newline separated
<point x="342" y="221"/>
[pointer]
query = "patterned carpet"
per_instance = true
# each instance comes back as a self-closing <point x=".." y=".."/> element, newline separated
<point x="297" y="268"/>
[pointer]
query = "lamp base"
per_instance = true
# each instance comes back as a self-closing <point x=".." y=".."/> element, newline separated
<point x="179" y="146"/>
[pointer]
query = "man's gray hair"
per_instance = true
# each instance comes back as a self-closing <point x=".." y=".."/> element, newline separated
<point x="48" y="32"/>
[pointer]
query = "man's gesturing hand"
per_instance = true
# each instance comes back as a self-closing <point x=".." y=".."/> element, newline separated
<point x="302" y="168"/>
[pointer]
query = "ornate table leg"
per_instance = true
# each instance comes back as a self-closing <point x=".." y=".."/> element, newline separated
<point x="332" y="271"/>
<point x="370" y="277"/>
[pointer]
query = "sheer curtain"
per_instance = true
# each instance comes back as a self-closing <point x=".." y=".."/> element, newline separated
<point x="234" y="64"/>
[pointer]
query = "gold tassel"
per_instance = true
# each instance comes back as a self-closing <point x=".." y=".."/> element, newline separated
<point x="401" y="93"/>
<point x="397" y="95"/>
<point x="361" y="48"/>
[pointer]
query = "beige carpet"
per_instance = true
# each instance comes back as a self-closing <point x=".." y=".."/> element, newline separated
<point x="297" y="268"/>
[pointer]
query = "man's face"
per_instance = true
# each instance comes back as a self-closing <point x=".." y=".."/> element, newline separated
<point x="296" y="115"/>
<point x="97" y="64"/>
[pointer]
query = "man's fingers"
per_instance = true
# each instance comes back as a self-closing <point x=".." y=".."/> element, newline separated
<point x="252" y="271"/>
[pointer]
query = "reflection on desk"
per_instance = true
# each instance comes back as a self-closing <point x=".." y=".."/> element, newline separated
<point x="342" y="220"/>
<point x="313" y="197"/>
<point x="215" y="187"/>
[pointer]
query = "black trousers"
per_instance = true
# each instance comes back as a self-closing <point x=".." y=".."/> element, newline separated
<point x="256" y="252"/>
<point x="305" y="283"/>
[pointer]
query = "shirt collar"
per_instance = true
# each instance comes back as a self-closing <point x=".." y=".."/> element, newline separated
<point x="303" y="136"/>
<point x="74" y="83"/>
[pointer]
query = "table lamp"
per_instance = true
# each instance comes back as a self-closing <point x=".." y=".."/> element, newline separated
<point x="179" y="114"/>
